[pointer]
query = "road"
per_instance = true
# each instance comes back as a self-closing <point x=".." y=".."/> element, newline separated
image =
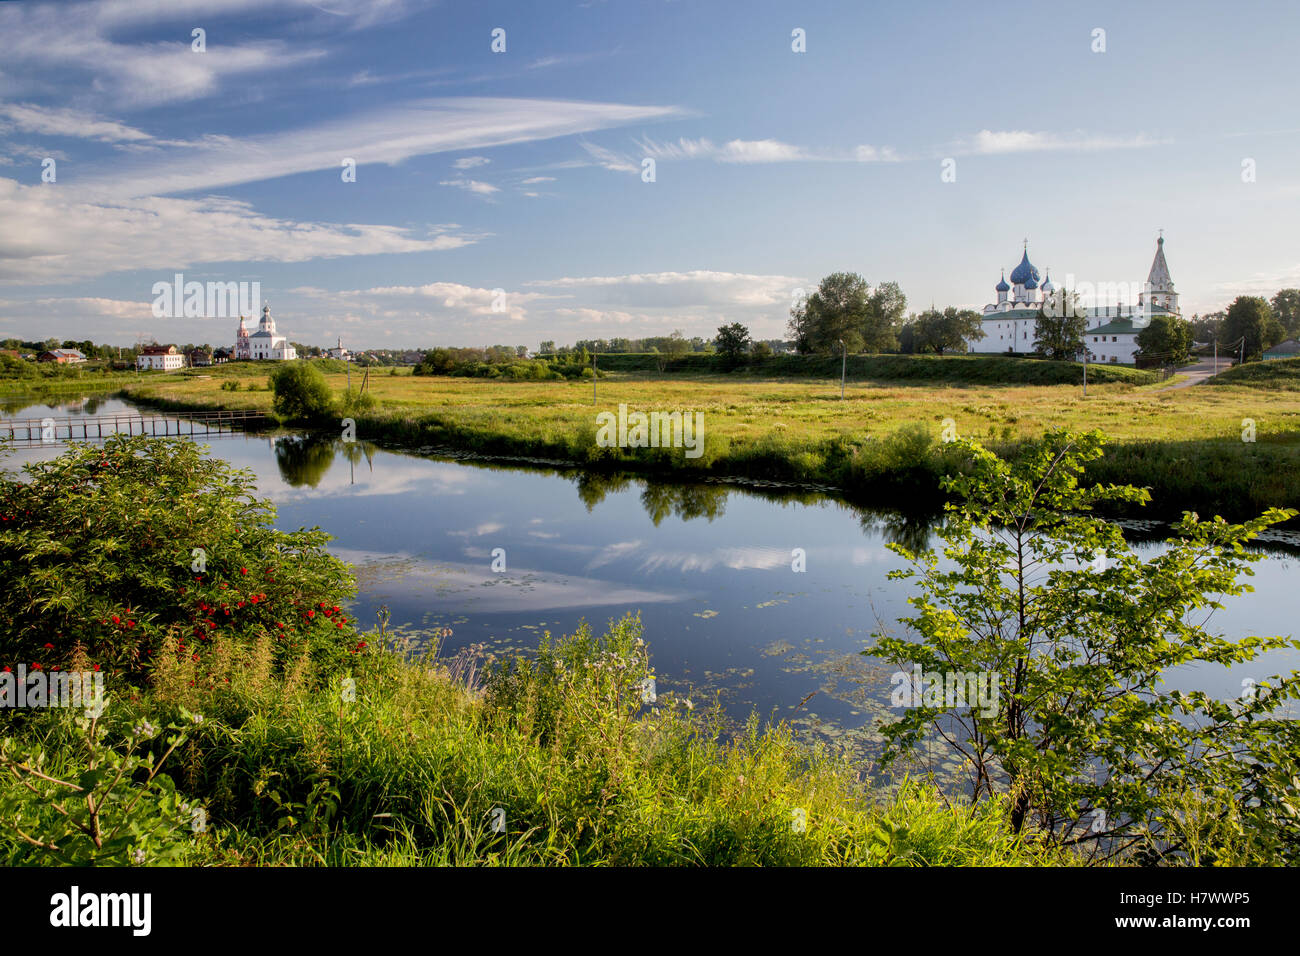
<point x="1198" y="373"/>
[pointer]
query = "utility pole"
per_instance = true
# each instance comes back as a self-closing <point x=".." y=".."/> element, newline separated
<point x="844" y="365"/>
<point x="1242" y="360"/>
<point x="593" y="379"/>
<point x="1216" y="355"/>
<point x="1085" y="367"/>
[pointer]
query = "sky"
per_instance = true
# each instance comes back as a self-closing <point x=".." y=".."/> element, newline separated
<point x="504" y="196"/>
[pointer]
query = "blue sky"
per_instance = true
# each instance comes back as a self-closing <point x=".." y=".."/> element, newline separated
<point x="522" y="170"/>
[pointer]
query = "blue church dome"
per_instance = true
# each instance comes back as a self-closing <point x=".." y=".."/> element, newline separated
<point x="1002" y="284"/>
<point x="1025" y="274"/>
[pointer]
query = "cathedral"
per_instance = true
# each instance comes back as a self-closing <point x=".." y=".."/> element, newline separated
<point x="1112" y="329"/>
<point x="265" y="343"/>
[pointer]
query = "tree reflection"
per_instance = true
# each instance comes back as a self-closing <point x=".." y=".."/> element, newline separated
<point x="304" y="459"/>
<point x="660" y="499"/>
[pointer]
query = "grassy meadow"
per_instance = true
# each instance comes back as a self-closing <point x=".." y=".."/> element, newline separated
<point x="882" y="441"/>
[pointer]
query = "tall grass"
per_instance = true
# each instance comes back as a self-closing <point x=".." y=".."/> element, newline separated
<point x="557" y="760"/>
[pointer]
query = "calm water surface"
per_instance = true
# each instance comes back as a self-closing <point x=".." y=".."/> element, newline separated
<point x="707" y="566"/>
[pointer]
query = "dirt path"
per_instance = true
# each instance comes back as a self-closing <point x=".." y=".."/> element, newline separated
<point x="1198" y="373"/>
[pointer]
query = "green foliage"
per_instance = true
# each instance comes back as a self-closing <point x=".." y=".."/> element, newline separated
<point x="1059" y="328"/>
<point x="583" y="769"/>
<point x="733" y="342"/>
<point x="144" y="549"/>
<point x="1286" y="309"/>
<point x="111" y="805"/>
<point x="1275" y="374"/>
<point x="1250" y="318"/>
<point x="844" y="309"/>
<point x="354" y="402"/>
<point x="301" y="392"/>
<point x="1167" y="339"/>
<point x="945" y="331"/>
<point x="1082" y="730"/>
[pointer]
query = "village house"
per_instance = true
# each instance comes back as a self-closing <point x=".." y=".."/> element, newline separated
<point x="63" y="356"/>
<point x="163" y="358"/>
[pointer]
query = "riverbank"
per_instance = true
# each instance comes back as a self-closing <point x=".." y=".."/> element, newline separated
<point x="881" y="445"/>
<point x="291" y="734"/>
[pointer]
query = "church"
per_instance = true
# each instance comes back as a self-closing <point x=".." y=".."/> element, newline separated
<point x="265" y="343"/>
<point x="1112" y="329"/>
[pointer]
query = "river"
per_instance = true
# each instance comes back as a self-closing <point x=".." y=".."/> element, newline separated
<point x="710" y="567"/>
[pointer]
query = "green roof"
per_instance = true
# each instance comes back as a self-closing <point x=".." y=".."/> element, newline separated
<point x="1115" y="327"/>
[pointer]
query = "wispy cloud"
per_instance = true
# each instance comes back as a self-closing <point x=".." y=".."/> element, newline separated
<point x="991" y="142"/>
<point x="470" y="162"/>
<point x="57" y="237"/>
<point x="387" y="136"/>
<point x="471" y="185"/>
<point x="759" y="151"/>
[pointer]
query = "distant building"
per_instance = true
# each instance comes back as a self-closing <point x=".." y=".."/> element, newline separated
<point x="1284" y="350"/>
<point x="264" y="344"/>
<point x="62" y="356"/>
<point x="339" y="352"/>
<point x="222" y="356"/>
<point x="199" y="358"/>
<point x="1010" y="324"/>
<point x="163" y="358"/>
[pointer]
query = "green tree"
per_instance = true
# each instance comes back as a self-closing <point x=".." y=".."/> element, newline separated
<point x="835" y="313"/>
<point x="1250" y="317"/>
<point x="1070" y="633"/>
<point x="1167" y="338"/>
<point x="1286" y="309"/>
<point x="733" y="342"/>
<point x="1059" y="330"/>
<point x="946" y="331"/>
<point x="884" y="316"/>
<point x="1207" y="328"/>
<point x="301" y="391"/>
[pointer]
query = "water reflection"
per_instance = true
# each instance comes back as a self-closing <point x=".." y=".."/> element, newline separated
<point x="303" y="460"/>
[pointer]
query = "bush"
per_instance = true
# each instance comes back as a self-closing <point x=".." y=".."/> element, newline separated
<point x="144" y="552"/>
<point x="354" y="402"/>
<point x="301" y="391"/>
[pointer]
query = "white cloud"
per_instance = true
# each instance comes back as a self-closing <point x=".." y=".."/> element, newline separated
<point x="389" y="136"/>
<point x="31" y="118"/>
<point x="992" y="142"/>
<point x="471" y="185"/>
<point x="82" y="41"/>
<point x="734" y="151"/>
<point x="611" y="160"/>
<point x="761" y="151"/>
<point x="875" y="154"/>
<point x="57" y="237"/>
<point x="699" y="287"/>
<point x="469" y="162"/>
<point x="532" y="180"/>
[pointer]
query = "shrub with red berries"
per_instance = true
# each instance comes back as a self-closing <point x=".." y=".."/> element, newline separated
<point x="127" y="548"/>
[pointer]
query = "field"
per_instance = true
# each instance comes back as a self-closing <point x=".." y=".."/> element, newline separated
<point x="882" y="441"/>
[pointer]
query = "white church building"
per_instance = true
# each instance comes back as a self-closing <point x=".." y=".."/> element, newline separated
<point x="1009" y="323"/>
<point x="265" y="343"/>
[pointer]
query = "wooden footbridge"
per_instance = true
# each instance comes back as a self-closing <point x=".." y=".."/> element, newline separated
<point x="92" y="428"/>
